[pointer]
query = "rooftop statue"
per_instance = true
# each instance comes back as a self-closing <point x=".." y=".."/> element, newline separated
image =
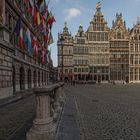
<point x="98" y="6"/>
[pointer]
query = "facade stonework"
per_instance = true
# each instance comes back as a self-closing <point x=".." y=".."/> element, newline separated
<point x="119" y="50"/>
<point x="134" y="57"/>
<point x="65" y="55"/>
<point x="19" y="70"/>
<point x="98" y="41"/>
<point x="80" y="55"/>
<point x="103" y="54"/>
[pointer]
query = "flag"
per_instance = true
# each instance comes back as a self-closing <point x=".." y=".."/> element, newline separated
<point x="43" y="55"/>
<point x="38" y="18"/>
<point x="44" y="12"/>
<point x="42" y="6"/>
<point x="50" y="41"/>
<point x="47" y="36"/>
<point x="18" y="26"/>
<point x="34" y="15"/>
<point x="39" y="2"/>
<point x="30" y="7"/>
<point x="34" y="45"/>
<point x="26" y="1"/>
<point x="43" y="24"/>
<point x="25" y="40"/>
<point x="21" y="38"/>
<point x="19" y="31"/>
<point x="31" y="3"/>
<point x="29" y="44"/>
<point x="50" y="20"/>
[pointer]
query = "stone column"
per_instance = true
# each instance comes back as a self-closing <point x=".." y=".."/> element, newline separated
<point x="43" y="128"/>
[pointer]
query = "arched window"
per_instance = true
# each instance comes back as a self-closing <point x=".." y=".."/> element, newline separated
<point x="29" y="79"/>
<point x="34" y="78"/>
<point x="22" y="78"/>
<point x="42" y="78"/>
<point x="38" y="78"/>
<point x="45" y="78"/>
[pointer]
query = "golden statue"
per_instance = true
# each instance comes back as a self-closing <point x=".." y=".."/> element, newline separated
<point x="98" y="6"/>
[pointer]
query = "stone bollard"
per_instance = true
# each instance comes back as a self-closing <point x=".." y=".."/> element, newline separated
<point x="43" y="128"/>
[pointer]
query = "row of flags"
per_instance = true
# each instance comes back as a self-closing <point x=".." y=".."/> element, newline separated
<point x="41" y="19"/>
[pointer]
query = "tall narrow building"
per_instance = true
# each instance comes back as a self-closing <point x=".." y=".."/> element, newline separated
<point x="65" y="54"/>
<point x="98" y="41"/>
<point x="80" y="57"/>
<point x="134" y="50"/>
<point x="119" y="51"/>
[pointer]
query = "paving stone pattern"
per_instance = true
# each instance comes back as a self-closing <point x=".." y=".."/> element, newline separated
<point x="15" y="116"/>
<point x="108" y="112"/>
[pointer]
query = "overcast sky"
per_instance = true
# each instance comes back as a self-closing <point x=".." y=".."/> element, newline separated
<point x="75" y="12"/>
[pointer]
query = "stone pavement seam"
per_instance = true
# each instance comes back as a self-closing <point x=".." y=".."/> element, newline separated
<point x="82" y="132"/>
<point x="68" y="128"/>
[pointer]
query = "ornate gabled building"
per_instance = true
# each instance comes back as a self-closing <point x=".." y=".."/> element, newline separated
<point x="134" y="54"/>
<point x="103" y="54"/>
<point x="98" y="42"/>
<point x="119" y="51"/>
<point x="65" y="54"/>
<point x="80" y="55"/>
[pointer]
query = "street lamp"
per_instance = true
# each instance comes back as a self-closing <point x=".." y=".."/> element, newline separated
<point x="62" y="63"/>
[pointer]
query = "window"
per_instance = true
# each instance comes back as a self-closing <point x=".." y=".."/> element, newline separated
<point x="119" y="35"/>
<point x="75" y="69"/>
<point x="66" y="70"/>
<point x="136" y="47"/>
<point x="6" y="18"/>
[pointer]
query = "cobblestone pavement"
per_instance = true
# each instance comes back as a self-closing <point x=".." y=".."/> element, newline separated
<point x="14" y="118"/>
<point x="108" y="112"/>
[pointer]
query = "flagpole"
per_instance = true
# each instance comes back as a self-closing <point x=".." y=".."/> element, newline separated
<point x="48" y="2"/>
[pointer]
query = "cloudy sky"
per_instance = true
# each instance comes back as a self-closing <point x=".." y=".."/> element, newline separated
<point x="77" y="12"/>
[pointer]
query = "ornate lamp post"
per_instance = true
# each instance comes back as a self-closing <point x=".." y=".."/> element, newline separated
<point x="62" y="63"/>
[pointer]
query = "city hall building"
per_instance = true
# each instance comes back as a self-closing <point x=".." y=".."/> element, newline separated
<point x="101" y="53"/>
<point x="21" y="67"/>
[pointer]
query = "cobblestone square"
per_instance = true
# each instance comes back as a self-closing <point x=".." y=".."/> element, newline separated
<point x="107" y="112"/>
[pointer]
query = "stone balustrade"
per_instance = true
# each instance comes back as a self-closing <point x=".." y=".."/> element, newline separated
<point x="49" y="104"/>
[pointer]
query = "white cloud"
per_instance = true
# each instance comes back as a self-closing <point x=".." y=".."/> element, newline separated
<point x="72" y="13"/>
